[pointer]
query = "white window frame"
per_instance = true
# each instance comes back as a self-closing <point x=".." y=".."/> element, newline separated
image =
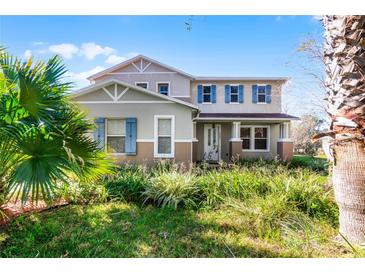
<point x="136" y="83"/>
<point x="230" y="94"/>
<point x="155" y="145"/>
<point x="252" y="138"/>
<point x="257" y="95"/>
<point x="207" y="85"/>
<point x="106" y="136"/>
<point x="284" y="132"/>
<point x="164" y="82"/>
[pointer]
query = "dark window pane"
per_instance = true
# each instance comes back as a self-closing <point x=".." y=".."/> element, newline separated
<point x="261" y="89"/>
<point x="116" y="144"/>
<point x="142" y="85"/>
<point x="246" y="144"/>
<point x="206" y="89"/>
<point x="260" y="143"/>
<point x="206" y="98"/>
<point x="234" y="98"/>
<point x="261" y="98"/>
<point x="245" y="132"/>
<point x="234" y="89"/>
<point x="164" y="145"/>
<point x="260" y="132"/>
<point x="163" y="89"/>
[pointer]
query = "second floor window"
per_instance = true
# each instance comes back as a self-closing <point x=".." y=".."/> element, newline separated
<point x="234" y="94"/>
<point x="163" y="88"/>
<point x="261" y="94"/>
<point x="142" y="85"/>
<point x="207" y="95"/>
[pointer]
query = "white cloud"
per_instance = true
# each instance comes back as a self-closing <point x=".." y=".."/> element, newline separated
<point x="39" y="43"/>
<point x="27" y="54"/>
<point x="114" y="59"/>
<point x="79" y="79"/>
<point x="65" y="50"/>
<point x="91" y="50"/>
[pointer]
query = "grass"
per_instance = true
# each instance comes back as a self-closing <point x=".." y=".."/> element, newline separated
<point x="251" y="209"/>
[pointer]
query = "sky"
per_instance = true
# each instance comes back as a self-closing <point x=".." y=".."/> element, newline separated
<point x="213" y="46"/>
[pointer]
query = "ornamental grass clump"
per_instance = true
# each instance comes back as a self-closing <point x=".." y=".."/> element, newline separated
<point x="173" y="189"/>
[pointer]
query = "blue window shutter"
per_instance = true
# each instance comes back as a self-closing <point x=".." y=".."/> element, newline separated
<point x="240" y="93"/>
<point x="227" y="97"/>
<point x="200" y="94"/>
<point x="214" y="94"/>
<point x="268" y="94"/>
<point x="99" y="133"/>
<point x="254" y="94"/>
<point x="131" y="136"/>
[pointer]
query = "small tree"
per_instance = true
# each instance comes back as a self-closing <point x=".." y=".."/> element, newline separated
<point x="303" y="131"/>
<point x="43" y="135"/>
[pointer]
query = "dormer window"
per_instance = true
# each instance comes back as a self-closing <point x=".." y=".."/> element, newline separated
<point x="142" y="84"/>
<point x="261" y="94"/>
<point x="207" y="94"/>
<point x="163" y="88"/>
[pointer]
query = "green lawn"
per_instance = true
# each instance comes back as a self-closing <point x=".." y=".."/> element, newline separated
<point x="127" y="230"/>
<point x="254" y="209"/>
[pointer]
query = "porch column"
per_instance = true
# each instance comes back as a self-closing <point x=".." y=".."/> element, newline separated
<point x="285" y="145"/>
<point x="235" y="143"/>
<point x="194" y="157"/>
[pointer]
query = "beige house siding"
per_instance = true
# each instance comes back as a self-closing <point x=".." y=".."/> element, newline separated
<point x="247" y="106"/>
<point x="179" y="84"/>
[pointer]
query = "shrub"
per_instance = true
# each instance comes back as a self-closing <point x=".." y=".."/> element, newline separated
<point x="310" y="162"/>
<point x="82" y="193"/>
<point x="127" y="184"/>
<point x="172" y="189"/>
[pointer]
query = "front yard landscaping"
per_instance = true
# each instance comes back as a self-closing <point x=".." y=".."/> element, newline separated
<point x="251" y="209"/>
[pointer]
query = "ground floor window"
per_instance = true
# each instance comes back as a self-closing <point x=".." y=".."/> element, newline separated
<point x="164" y="136"/>
<point x="115" y="137"/>
<point x="255" y="138"/>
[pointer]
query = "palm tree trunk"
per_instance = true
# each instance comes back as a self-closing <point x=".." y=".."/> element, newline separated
<point x="349" y="186"/>
<point x="345" y="68"/>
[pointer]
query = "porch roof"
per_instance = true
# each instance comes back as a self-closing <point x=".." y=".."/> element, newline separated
<point x="245" y="116"/>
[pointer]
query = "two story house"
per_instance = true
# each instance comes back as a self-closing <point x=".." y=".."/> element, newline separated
<point x="145" y="111"/>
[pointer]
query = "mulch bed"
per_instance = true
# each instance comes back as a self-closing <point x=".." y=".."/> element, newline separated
<point x="15" y="209"/>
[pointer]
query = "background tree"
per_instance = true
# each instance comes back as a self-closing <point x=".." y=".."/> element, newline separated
<point x="43" y="135"/>
<point x="303" y="131"/>
<point x="344" y="55"/>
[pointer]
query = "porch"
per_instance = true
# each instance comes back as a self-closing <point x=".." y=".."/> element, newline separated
<point x="223" y="139"/>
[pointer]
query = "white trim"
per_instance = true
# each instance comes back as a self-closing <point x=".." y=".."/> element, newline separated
<point x="155" y="133"/>
<point x="136" y="84"/>
<point x="244" y="119"/>
<point x="145" y="140"/>
<point x="122" y="93"/>
<point x="194" y="140"/>
<point x="113" y="135"/>
<point x="230" y="94"/>
<point x="206" y="85"/>
<point x="182" y="96"/>
<point x="153" y="93"/>
<point x="135" y="66"/>
<point x="166" y="82"/>
<point x="148" y="72"/>
<point x="218" y="126"/>
<point x="136" y="58"/>
<point x="210" y="78"/>
<point x="252" y="138"/>
<point x="235" y="140"/>
<point x="108" y="92"/>
<point x="286" y="140"/>
<point x="146" y="66"/>
<point x="125" y="102"/>
<point x="183" y="140"/>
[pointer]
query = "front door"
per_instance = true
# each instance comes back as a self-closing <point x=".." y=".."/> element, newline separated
<point x="211" y="142"/>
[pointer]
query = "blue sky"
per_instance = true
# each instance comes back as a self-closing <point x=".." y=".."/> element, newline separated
<point x="215" y="46"/>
